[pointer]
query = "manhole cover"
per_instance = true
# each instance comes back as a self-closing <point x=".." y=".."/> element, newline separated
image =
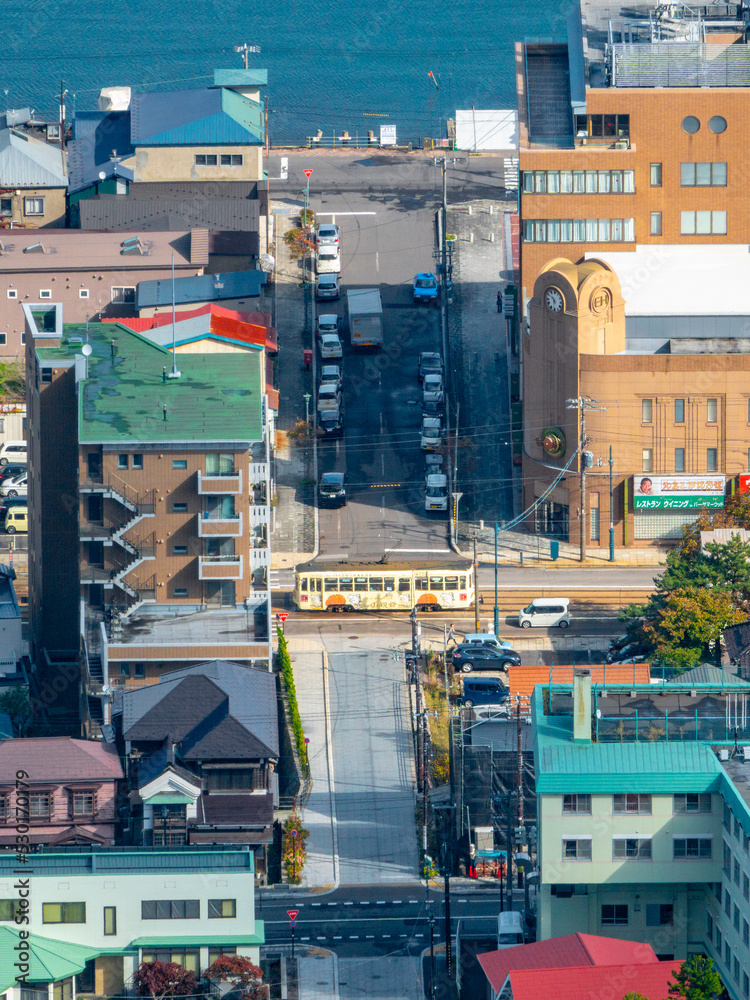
<point x="354" y="637"/>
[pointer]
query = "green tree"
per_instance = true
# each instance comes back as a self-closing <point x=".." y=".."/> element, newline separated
<point x="696" y="980"/>
<point x="15" y="703"/>
<point x="634" y="996"/>
<point x="690" y="620"/>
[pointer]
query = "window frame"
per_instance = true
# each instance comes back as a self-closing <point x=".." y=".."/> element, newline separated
<point x="156" y="909"/>
<point x="64" y="908"/>
<point x="655" y="175"/>
<point x="212" y="904"/>
<point x="577" y="840"/>
<point x="614" y="918"/>
<point x="111" y="913"/>
<point x="700" y="840"/>
<point x="580" y="808"/>
<point x="36" y="200"/>
<point x="641" y="853"/>
<point x="122" y="295"/>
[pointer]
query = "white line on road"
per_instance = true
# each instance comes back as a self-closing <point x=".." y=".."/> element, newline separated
<point x="377" y="262"/>
<point x="380" y="902"/>
<point x="369" y="936"/>
<point x="439" y="551"/>
<point x="395" y="901"/>
<point x="403" y="935"/>
<point x="349" y="903"/>
<point x="413" y="900"/>
<point x="419" y="935"/>
<point x="316" y="904"/>
<point x="321" y="939"/>
<point x="332" y="904"/>
<point x="364" y="902"/>
<point x="337" y="937"/>
<point x="334" y="214"/>
<point x="463" y="900"/>
<point x="354" y="937"/>
<point x="386" y="936"/>
<point x="305" y="939"/>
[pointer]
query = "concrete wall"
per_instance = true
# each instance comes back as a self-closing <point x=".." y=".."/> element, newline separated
<point x="177" y="163"/>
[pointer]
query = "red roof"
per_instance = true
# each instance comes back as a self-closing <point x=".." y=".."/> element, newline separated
<point x="598" y="982"/>
<point x="561" y="952"/>
<point x="522" y="680"/>
<point x="253" y="328"/>
<point x="58" y="758"/>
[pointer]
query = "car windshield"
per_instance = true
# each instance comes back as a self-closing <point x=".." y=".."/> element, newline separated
<point x="425" y="283"/>
<point x="529" y="610"/>
<point x="332" y="479"/>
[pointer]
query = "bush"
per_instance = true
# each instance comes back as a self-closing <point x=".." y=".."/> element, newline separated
<point x="284" y="664"/>
<point x="295" y="849"/>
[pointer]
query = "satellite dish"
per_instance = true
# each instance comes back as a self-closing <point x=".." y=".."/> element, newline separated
<point x="102" y="175"/>
<point x="86" y="350"/>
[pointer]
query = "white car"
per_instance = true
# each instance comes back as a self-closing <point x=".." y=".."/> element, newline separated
<point x="327" y="234"/>
<point x="15" y="487"/>
<point x="327" y="286"/>
<point x="432" y="389"/>
<point x="431" y="435"/>
<point x="328" y="323"/>
<point x="328" y="259"/>
<point x="329" y="397"/>
<point x="330" y="346"/>
<point x="331" y="373"/>
<point x="436" y="492"/>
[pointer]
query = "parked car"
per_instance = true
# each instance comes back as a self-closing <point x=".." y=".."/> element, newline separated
<point x="15" y="519"/>
<point x="545" y="612"/>
<point x="625" y="653"/>
<point x="482" y="691"/>
<point x="430" y="363"/>
<point x="485" y="639"/>
<point x="332" y="490"/>
<point x="435" y="491"/>
<point x="331" y="373"/>
<point x="432" y="387"/>
<point x="12" y="451"/>
<point x="328" y="259"/>
<point x="329" y="397"/>
<point x="6" y="502"/>
<point x="431" y="434"/>
<point x="327" y="234"/>
<point x="15" y="487"/>
<point x="330" y="346"/>
<point x="425" y="287"/>
<point x="331" y="423"/>
<point x="327" y="286"/>
<point x="328" y="323"/>
<point x="469" y="657"/>
<point x="10" y="471"/>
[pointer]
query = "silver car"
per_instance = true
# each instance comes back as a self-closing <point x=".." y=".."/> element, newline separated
<point x="331" y="373"/>
<point x="327" y="234"/>
<point x="327" y="286"/>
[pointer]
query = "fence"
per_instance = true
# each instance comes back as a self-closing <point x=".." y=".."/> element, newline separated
<point x="670" y="727"/>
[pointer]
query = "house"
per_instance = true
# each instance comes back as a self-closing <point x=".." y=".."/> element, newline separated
<point x="68" y="789"/>
<point x="90" y="274"/>
<point x="201" y="747"/>
<point x="34" y="180"/>
<point x="154" y="469"/>
<point x="97" y="913"/>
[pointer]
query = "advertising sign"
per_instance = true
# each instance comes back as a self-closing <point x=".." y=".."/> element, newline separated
<point x="744" y="484"/>
<point x="387" y="135"/>
<point x="678" y="492"/>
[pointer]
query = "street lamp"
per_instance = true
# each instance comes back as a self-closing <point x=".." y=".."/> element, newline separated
<point x="496" y="616"/>
<point x="307" y="398"/>
<point x="456" y="497"/>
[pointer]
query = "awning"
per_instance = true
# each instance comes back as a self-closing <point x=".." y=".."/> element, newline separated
<point x="50" y="960"/>
<point x="202" y="940"/>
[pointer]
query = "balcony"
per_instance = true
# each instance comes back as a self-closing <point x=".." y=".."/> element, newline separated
<point x="259" y="514"/>
<point x="216" y="526"/>
<point x="220" y="568"/>
<point x="223" y="484"/>
<point x="260" y="557"/>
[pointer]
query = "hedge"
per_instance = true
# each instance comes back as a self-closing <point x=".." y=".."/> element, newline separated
<point x="285" y="668"/>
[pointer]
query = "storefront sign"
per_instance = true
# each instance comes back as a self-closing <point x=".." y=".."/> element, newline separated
<point x="678" y="492"/>
<point x="744" y="484"/>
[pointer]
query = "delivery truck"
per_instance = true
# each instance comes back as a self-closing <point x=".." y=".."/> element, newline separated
<point x="365" y="317"/>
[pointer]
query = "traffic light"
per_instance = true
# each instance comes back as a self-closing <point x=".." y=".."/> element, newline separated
<point x="518" y="833"/>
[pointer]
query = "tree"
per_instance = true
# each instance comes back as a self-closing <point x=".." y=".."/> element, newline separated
<point x="696" y="980"/>
<point x="15" y="703"/>
<point x="634" y="996"/>
<point x="164" y="979"/>
<point x="691" y="620"/>
<point x="12" y="380"/>
<point x="241" y="971"/>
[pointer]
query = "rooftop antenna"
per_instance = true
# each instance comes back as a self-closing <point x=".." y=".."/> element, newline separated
<point x="174" y="373"/>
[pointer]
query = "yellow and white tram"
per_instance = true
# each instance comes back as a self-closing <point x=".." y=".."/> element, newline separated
<point x="389" y="587"/>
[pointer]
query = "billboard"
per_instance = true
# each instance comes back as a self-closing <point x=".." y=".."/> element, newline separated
<point x="678" y="492"/>
<point x="744" y="484"/>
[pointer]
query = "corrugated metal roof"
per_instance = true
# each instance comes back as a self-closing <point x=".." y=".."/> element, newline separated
<point x="593" y="983"/>
<point x="211" y="116"/>
<point x="77" y="249"/>
<point x="199" y="247"/>
<point x="26" y="162"/>
<point x="203" y="288"/>
<point x="210" y="211"/>
<point x="95" y="135"/>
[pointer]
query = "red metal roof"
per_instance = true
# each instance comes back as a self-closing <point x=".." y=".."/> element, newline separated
<point x="561" y="952"/>
<point x="522" y="680"/>
<point x="598" y="982"/>
<point x="254" y="328"/>
<point x="58" y="758"/>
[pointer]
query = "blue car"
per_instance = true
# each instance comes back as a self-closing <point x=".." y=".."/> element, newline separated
<point x="425" y="287"/>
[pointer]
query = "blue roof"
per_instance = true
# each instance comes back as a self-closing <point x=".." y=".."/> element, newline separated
<point x="26" y="162"/>
<point x="210" y="116"/>
<point x="95" y="135"/>
<point x="201" y="288"/>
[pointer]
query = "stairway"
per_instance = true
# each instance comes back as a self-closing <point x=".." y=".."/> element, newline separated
<point x="96" y="673"/>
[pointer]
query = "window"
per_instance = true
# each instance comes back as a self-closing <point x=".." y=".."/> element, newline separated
<point x="33" y="206"/>
<point x="709" y="927"/>
<point x="656" y="175"/>
<point x="186" y="957"/>
<point x="231" y="159"/>
<point x="679" y="411"/>
<point x="736" y="969"/>
<point x="3" y="341"/>
<point x="727" y="903"/>
<point x="6" y="206"/>
<point x="745" y="933"/>
<point x="727" y="860"/>
<point x="727" y="820"/>
<point x="139" y="670"/>
<point x="63" y="913"/>
<point x="632" y="803"/>
<point x="577" y="804"/>
<point x="736" y="872"/>
<point x="45" y="293"/>
<point x="614" y="913"/>
<point x="691" y="849"/>
<point x="579" y="230"/>
<point x="647" y="410"/>
<point x="83" y="803"/>
<point x="659" y="914"/>
<point x="40" y="804"/>
<point x="110" y="920"/>
<point x="712" y="411"/>
<point x="180" y="592"/>
<point x="8" y="909"/>
<point x="179" y="463"/>
<point x="170" y="909"/>
<point x="4" y="808"/>
<point x="745" y="886"/>
<point x="576" y="849"/>
<point x="717" y="124"/>
<point x="179" y="550"/>
<point x="745" y="979"/>
<point x="179" y="508"/>
<point x="222" y="908"/>
<point x="217" y="952"/>
<point x="736" y="917"/>
<point x="690" y="124"/>
<point x="656" y="223"/>
<point x="83" y="293"/>
<point x="205" y="160"/>
<point x="122" y="294"/>
<point x="124" y="670"/>
<point x="225" y="779"/>
<point x="123" y="462"/>
<point x="679" y="460"/>
<point x="703" y="223"/>
<point x="711" y="459"/>
<point x="647" y="460"/>
<point x="137" y="461"/>
<point x="631" y="849"/>
<point x="703" y="174"/>
<point x="719" y="940"/>
<point x="12" y="293"/>
<point x="692" y="802"/>
<point x="727" y="955"/>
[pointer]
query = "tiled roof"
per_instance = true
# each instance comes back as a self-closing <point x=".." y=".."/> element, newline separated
<point x="124" y="397"/>
<point x="26" y="162"/>
<point x="523" y="680"/>
<point x="566" y="951"/>
<point x="235" y="810"/>
<point x="181" y="708"/>
<point x="228" y="740"/>
<point x="203" y="288"/>
<point x="78" y="250"/>
<point x="58" y="758"/>
<point x="594" y="982"/>
<point x="212" y="116"/>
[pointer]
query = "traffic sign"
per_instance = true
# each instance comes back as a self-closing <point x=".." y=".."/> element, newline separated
<point x="307" y="173"/>
<point x="292" y="914"/>
<point x="282" y="616"/>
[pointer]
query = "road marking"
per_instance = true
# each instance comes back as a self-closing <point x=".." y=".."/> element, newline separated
<point x="369" y="936"/>
<point x="440" y="551"/>
<point x="380" y="902"/>
<point x="354" y="937"/>
<point x="364" y="902"/>
<point x="316" y="904"/>
<point x="463" y="901"/>
<point x="418" y="935"/>
<point x="305" y="939"/>
<point x="337" y="937"/>
<point x="413" y="900"/>
<point x="332" y="904"/>
<point x="403" y="935"/>
<point x="334" y="214"/>
<point x="321" y="939"/>
<point x="395" y="901"/>
<point x="386" y="936"/>
<point x="377" y="262"/>
<point x="349" y="903"/>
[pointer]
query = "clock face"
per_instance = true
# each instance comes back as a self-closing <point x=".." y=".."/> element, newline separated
<point x="553" y="300"/>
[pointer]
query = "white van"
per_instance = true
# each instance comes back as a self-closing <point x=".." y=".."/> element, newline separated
<point x="509" y="929"/>
<point x="545" y="612"/>
<point x="12" y="451"/>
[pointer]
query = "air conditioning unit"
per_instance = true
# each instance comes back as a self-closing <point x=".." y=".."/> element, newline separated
<point x="621" y="144"/>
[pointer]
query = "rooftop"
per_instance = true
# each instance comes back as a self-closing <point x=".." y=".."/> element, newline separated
<point x="214" y="627"/>
<point x="26" y="162"/>
<point x="203" y="288"/>
<point x="78" y="860"/>
<point x="78" y="250"/>
<point x="123" y="397"/>
<point x="58" y="758"/>
<point x="96" y="134"/>
<point x="192" y="329"/>
<point x="214" y="212"/>
<point x="593" y="982"/>
<point x="210" y="116"/>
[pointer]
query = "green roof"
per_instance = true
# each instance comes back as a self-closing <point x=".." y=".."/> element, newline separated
<point x="50" y="960"/>
<point x="199" y="940"/>
<point x="218" y="397"/>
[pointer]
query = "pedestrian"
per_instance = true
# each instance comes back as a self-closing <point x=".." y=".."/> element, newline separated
<point x="451" y="634"/>
<point x="500" y="301"/>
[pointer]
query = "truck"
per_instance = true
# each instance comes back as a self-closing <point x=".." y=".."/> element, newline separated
<point x="365" y="317"/>
<point x="436" y="492"/>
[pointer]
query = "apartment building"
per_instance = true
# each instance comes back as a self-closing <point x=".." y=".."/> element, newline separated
<point x="96" y="914"/>
<point x="644" y="818"/>
<point x="149" y="502"/>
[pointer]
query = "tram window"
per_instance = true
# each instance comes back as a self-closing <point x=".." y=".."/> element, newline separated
<point x="316" y="584"/>
<point x="360" y="583"/>
<point x="404" y="585"/>
<point x="462" y="582"/>
<point x="376" y="583"/>
<point x="331" y="583"/>
<point x="389" y="583"/>
<point x="451" y="583"/>
<point x="420" y="583"/>
<point x="346" y="583"/>
<point x="436" y="583"/>
<point x="303" y="584"/>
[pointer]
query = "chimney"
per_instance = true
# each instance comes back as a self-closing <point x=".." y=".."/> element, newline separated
<point x="582" y="706"/>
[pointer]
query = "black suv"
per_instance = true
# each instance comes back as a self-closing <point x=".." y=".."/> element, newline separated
<point x="429" y="364"/>
<point x="332" y="490"/>
<point x="474" y="657"/>
<point x="484" y="691"/>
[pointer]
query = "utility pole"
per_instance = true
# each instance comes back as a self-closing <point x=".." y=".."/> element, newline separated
<point x="519" y="773"/>
<point x="582" y="404"/>
<point x="268" y="175"/>
<point x="611" y="510"/>
<point x="432" y="956"/>
<point x="496" y="615"/>
<point x="477" y="623"/>
<point x="63" y="92"/>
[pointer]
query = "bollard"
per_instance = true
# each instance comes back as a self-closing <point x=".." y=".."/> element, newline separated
<point x="471" y="210"/>
<point x="492" y="209"/>
<point x="520" y="558"/>
<point x="471" y="237"/>
<point x="492" y="237"/>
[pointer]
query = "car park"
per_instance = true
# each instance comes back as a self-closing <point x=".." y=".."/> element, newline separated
<point x="430" y="363"/>
<point x="482" y="691"/>
<point x="468" y="657"/>
<point x="546" y="612"/>
<point x="327" y="286"/>
<point x="329" y="397"/>
<point x="328" y="260"/>
<point x="331" y="373"/>
<point x="15" y="487"/>
<point x="332" y="490"/>
<point x="10" y="471"/>
<point x="331" y="423"/>
<point x="330" y="346"/>
<point x="431" y="434"/>
<point x="425" y="287"/>
<point x="12" y="451"/>
<point x="15" y="519"/>
<point x="327" y="234"/>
